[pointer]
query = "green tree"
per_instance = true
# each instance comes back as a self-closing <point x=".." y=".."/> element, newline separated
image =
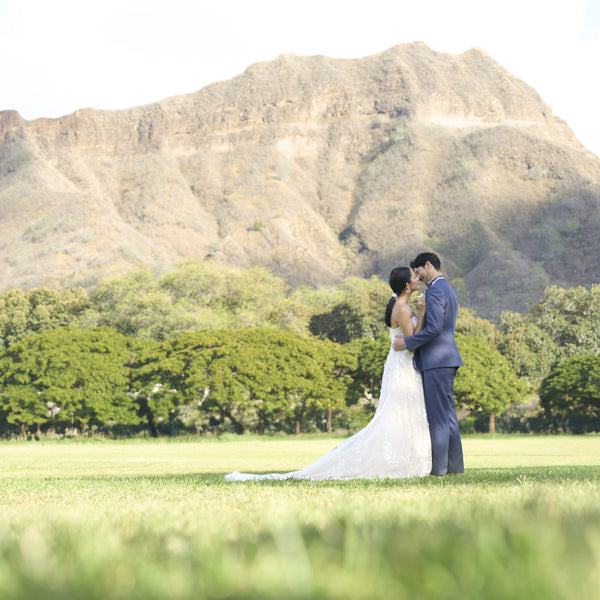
<point x="370" y="354"/>
<point x="69" y="377"/>
<point x="359" y="312"/>
<point x="316" y="380"/>
<point x="306" y="302"/>
<point x="199" y="377"/>
<point x="564" y="323"/>
<point x="22" y="406"/>
<point x="468" y="323"/>
<point x="194" y="296"/>
<point x="157" y="377"/>
<point x="136" y="306"/>
<point x="249" y="378"/>
<point x="221" y="297"/>
<point x="572" y="318"/>
<point x="23" y="312"/>
<point x="530" y="350"/>
<point x="486" y="384"/>
<point x="570" y="394"/>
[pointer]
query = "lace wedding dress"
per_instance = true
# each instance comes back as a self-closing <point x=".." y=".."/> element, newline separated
<point x="394" y="444"/>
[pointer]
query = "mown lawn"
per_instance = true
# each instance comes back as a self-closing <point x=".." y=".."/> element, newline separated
<point x="144" y="519"/>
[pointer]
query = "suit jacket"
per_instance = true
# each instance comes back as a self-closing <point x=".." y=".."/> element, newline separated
<point x="434" y="346"/>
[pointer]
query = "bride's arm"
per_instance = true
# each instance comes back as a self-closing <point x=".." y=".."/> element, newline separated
<point x="422" y="310"/>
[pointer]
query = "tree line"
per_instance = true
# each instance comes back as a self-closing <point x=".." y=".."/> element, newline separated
<point x="206" y="349"/>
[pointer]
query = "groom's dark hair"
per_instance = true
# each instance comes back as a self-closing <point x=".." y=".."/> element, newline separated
<point x="425" y="257"/>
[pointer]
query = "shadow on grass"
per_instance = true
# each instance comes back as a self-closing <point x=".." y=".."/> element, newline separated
<point x="494" y="476"/>
<point x="564" y="475"/>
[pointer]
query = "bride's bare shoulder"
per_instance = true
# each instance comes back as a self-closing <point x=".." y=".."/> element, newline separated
<point x="400" y="314"/>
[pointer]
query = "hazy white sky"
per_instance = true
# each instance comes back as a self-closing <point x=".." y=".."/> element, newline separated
<point x="60" y="55"/>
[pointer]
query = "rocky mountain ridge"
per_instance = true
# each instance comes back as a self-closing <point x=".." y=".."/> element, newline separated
<point x="317" y="167"/>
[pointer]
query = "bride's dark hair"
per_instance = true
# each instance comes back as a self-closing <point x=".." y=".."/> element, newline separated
<point x="399" y="277"/>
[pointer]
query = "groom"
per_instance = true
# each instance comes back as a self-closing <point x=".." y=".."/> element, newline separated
<point x="438" y="359"/>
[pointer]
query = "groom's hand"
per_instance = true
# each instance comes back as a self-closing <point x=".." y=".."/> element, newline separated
<point x="398" y="343"/>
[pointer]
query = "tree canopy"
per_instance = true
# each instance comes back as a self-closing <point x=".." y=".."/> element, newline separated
<point x="486" y="384"/>
<point x="214" y="348"/>
<point x="69" y="377"/>
<point x="564" y="323"/>
<point x="23" y="312"/>
<point x="570" y="395"/>
<point x="358" y="313"/>
<point x="259" y="378"/>
<point x="194" y="296"/>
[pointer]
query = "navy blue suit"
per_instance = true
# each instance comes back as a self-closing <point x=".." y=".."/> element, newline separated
<point x="437" y="357"/>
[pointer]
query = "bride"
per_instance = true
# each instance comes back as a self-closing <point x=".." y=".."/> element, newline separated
<point x="396" y="442"/>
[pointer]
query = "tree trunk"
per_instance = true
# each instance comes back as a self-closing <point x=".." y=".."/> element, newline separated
<point x="145" y="411"/>
<point x="329" y="420"/>
<point x="299" y="415"/>
<point x="238" y="426"/>
<point x="492" y="423"/>
<point x="152" y="425"/>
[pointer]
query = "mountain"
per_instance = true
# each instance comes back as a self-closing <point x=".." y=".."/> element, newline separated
<point x="319" y="168"/>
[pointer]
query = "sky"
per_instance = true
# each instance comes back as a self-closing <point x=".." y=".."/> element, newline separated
<point x="57" y="56"/>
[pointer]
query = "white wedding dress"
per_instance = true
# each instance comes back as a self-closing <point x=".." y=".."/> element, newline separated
<point x="395" y="443"/>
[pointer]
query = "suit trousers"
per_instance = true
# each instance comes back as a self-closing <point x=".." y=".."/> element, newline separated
<point x="446" y="446"/>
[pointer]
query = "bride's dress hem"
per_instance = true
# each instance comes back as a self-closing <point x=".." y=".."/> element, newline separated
<point x="241" y="477"/>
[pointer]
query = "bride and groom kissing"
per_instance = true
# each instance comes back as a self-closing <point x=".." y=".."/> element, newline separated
<point x="414" y="431"/>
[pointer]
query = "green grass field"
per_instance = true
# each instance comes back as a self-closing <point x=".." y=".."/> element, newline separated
<point x="143" y="519"/>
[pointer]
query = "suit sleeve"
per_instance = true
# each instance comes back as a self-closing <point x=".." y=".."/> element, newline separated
<point x="436" y="308"/>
